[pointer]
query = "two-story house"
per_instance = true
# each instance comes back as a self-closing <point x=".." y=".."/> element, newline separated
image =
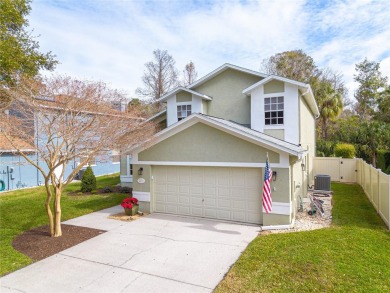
<point x="209" y="161"/>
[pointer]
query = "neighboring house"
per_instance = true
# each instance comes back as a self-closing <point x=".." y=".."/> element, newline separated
<point x="25" y="174"/>
<point x="209" y="161"/>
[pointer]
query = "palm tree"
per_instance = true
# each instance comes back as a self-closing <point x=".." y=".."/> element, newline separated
<point x="330" y="104"/>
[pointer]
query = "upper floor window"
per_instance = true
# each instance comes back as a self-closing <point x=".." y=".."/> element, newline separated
<point x="183" y="111"/>
<point x="273" y="108"/>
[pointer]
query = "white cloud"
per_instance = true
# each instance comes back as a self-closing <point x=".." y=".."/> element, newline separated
<point x="112" y="40"/>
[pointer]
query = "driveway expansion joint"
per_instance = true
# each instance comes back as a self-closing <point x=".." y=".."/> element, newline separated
<point x="127" y="269"/>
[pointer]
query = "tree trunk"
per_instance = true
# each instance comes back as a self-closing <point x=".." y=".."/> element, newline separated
<point x="373" y="159"/>
<point x="57" y="212"/>
<point x="324" y="129"/>
<point x="48" y="209"/>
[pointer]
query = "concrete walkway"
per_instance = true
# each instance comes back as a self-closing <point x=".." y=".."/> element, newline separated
<point x="157" y="253"/>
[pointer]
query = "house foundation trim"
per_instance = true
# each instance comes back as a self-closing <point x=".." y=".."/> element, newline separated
<point x="142" y="195"/>
<point x="280" y="208"/>
<point x="279" y="227"/>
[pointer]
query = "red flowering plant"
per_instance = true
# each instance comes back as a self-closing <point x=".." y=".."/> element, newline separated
<point x="129" y="202"/>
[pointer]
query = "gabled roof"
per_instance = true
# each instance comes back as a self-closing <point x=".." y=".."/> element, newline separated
<point x="156" y="115"/>
<point x="7" y="147"/>
<point x="221" y="69"/>
<point x="232" y="128"/>
<point x="179" y="89"/>
<point x="307" y="92"/>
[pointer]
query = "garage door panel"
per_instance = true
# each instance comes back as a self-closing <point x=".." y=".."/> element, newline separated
<point x="210" y="202"/>
<point x="210" y="213"/>
<point x="196" y="190"/>
<point x="224" y="214"/>
<point x="184" y="199"/>
<point x="223" y="192"/>
<point x="196" y="201"/>
<point x="160" y="188"/>
<point x="213" y="192"/>
<point x="184" y="210"/>
<point x="172" y="198"/>
<point x="171" y="209"/>
<point x="254" y="218"/>
<point x="210" y="191"/>
<point x="172" y="188"/>
<point x="160" y="197"/>
<point x="197" y="211"/>
<point x="184" y="189"/>
<point x="222" y="203"/>
<point x="239" y="216"/>
<point x="238" y="205"/>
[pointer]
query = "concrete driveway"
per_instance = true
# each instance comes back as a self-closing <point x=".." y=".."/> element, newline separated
<point x="157" y="253"/>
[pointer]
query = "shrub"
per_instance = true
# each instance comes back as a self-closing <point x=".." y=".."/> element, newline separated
<point x="126" y="189"/>
<point x="107" y="189"/>
<point x="88" y="181"/>
<point x="325" y="148"/>
<point x="388" y="170"/>
<point x="345" y="150"/>
<point x="383" y="160"/>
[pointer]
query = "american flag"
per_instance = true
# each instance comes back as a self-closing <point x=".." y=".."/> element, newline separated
<point x="267" y="200"/>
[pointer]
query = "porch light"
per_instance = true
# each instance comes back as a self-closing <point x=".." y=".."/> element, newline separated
<point x="303" y="166"/>
<point x="140" y="171"/>
<point x="274" y="175"/>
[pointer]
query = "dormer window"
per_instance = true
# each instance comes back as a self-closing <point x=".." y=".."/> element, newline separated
<point x="183" y="111"/>
<point x="273" y="108"/>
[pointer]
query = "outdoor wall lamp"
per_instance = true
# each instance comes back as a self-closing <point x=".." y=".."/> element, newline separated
<point x="303" y="166"/>
<point x="140" y="171"/>
<point x="274" y="175"/>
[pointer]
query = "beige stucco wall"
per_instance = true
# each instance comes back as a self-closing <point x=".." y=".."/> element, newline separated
<point x="228" y="100"/>
<point x="144" y="187"/>
<point x="123" y="165"/>
<point x="307" y="135"/>
<point x="278" y="133"/>
<point x="205" y="107"/>
<point x="274" y="86"/>
<point x="202" y="143"/>
<point x="183" y="97"/>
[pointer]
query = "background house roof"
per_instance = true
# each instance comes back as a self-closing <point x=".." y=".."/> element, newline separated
<point x="7" y="147"/>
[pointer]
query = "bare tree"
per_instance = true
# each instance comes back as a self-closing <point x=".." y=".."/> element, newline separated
<point x="68" y="120"/>
<point x="189" y="74"/>
<point x="160" y="75"/>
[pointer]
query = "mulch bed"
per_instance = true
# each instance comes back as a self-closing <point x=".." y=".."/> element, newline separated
<point x="37" y="243"/>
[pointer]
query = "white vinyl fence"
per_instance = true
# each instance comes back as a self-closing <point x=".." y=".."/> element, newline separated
<point x="374" y="182"/>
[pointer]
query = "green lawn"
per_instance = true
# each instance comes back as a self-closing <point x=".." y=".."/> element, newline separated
<point x="353" y="255"/>
<point x="22" y="210"/>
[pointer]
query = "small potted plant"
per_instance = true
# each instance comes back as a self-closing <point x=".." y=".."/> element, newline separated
<point x="130" y="205"/>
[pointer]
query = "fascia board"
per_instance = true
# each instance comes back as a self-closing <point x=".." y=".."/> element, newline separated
<point x="223" y="68"/>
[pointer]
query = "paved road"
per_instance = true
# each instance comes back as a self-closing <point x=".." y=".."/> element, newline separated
<point x="157" y="253"/>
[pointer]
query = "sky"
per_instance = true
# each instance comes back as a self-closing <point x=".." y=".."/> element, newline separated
<point x="111" y="40"/>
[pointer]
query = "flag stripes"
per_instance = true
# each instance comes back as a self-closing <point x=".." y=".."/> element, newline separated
<point x="267" y="200"/>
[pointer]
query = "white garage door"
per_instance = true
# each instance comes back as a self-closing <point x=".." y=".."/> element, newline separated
<point x="232" y="194"/>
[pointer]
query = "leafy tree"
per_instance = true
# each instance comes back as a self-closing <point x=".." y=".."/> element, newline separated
<point x="328" y="86"/>
<point x="88" y="181"/>
<point x="68" y="120"/>
<point x="383" y="113"/>
<point x="296" y="65"/>
<point x="19" y="51"/>
<point x="374" y="135"/>
<point x="371" y="83"/>
<point x="160" y="75"/>
<point x="329" y="101"/>
<point x="189" y="74"/>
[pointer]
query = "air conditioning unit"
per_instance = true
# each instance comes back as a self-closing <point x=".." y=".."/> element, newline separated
<point x="322" y="182"/>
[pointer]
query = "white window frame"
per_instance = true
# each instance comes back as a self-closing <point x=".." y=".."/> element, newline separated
<point x="274" y="107"/>
<point x="186" y="111"/>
